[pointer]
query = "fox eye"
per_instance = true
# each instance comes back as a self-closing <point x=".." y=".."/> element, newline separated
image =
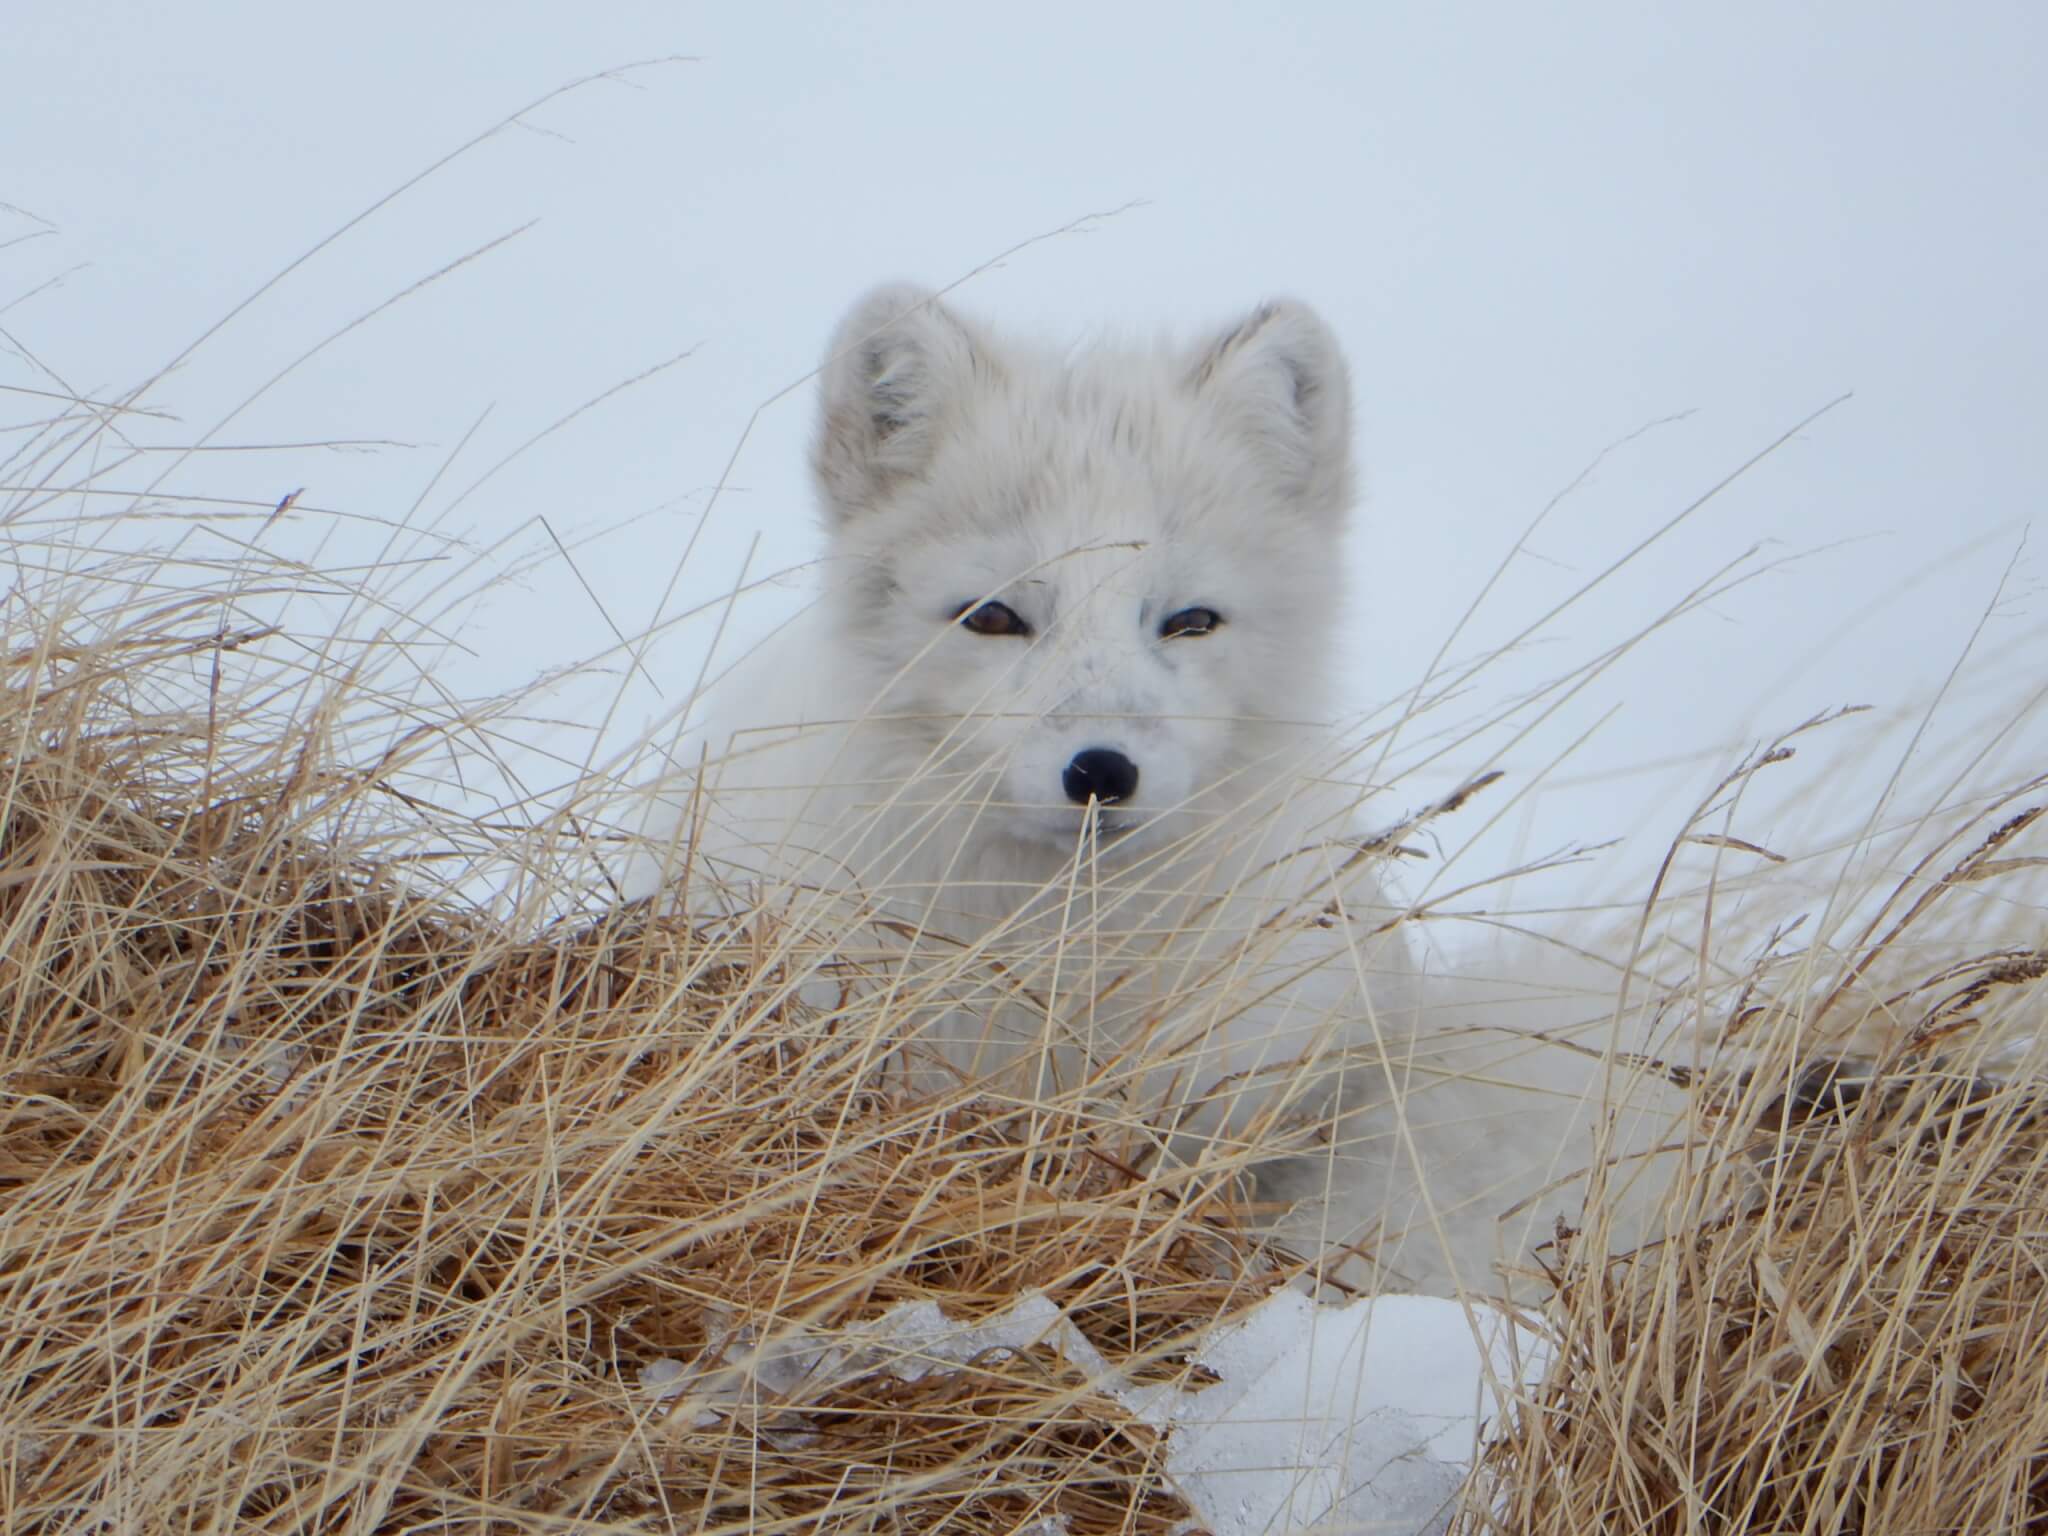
<point x="1190" y="621"/>
<point x="990" y="619"/>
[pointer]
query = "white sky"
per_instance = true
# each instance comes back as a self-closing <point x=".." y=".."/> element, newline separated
<point x="1536" y="229"/>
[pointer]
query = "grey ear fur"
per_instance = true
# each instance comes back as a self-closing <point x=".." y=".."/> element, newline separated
<point x="898" y="362"/>
<point x="1279" y="378"/>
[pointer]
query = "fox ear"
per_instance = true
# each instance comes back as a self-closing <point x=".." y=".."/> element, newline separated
<point x="1279" y="378"/>
<point x="897" y="366"/>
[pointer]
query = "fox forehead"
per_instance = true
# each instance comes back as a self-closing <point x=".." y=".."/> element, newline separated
<point x="1075" y="529"/>
<point x="1069" y="499"/>
<point x="1136" y="578"/>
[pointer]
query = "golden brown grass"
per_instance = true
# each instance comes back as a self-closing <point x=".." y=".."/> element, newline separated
<point x="1847" y="1330"/>
<point x="329" y="1202"/>
<point x="327" y="1206"/>
<point x="1857" y="1341"/>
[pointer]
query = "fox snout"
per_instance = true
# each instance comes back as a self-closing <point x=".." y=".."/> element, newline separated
<point x="1102" y="774"/>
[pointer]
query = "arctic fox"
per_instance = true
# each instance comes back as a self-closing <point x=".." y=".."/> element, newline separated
<point x="1062" y="713"/>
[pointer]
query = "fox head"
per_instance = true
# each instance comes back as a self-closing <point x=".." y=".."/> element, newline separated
<point x="1097" y="589"/>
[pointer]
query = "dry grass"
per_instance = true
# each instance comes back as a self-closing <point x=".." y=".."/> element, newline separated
<point x="333" y="1206"/>
<point x="326" y="1206"/>
<point x="1849" y="1330"/>
<point x="1857" y="1343"/>
<point x="333" y="1199"/>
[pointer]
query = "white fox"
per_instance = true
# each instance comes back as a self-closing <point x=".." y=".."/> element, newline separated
<point x="1062" y="712"/>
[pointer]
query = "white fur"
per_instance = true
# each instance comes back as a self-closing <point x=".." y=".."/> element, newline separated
<point x="1211" y="942"/>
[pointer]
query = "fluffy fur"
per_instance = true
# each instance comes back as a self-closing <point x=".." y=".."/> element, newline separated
<point x="1209" y="948"/>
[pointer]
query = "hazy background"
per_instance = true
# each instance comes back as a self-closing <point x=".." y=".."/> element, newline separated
<point x="1537" y="230"/>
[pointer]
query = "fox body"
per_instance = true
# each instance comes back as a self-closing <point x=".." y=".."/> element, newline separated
<point x="1063" y="712"/>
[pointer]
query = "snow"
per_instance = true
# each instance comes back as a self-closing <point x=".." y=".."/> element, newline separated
<point x="1364" y="1417"/>
<point x="1361" y="1417"/>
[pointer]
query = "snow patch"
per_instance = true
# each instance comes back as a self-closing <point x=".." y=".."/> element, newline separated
<point x="1361" y="1417"/>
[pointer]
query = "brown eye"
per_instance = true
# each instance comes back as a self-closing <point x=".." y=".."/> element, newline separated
<point x="1190" y="621"/>
<point x="990" y="619"/>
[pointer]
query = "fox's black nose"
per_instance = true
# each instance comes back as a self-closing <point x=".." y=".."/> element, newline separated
<point x="1100" y="773"/>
